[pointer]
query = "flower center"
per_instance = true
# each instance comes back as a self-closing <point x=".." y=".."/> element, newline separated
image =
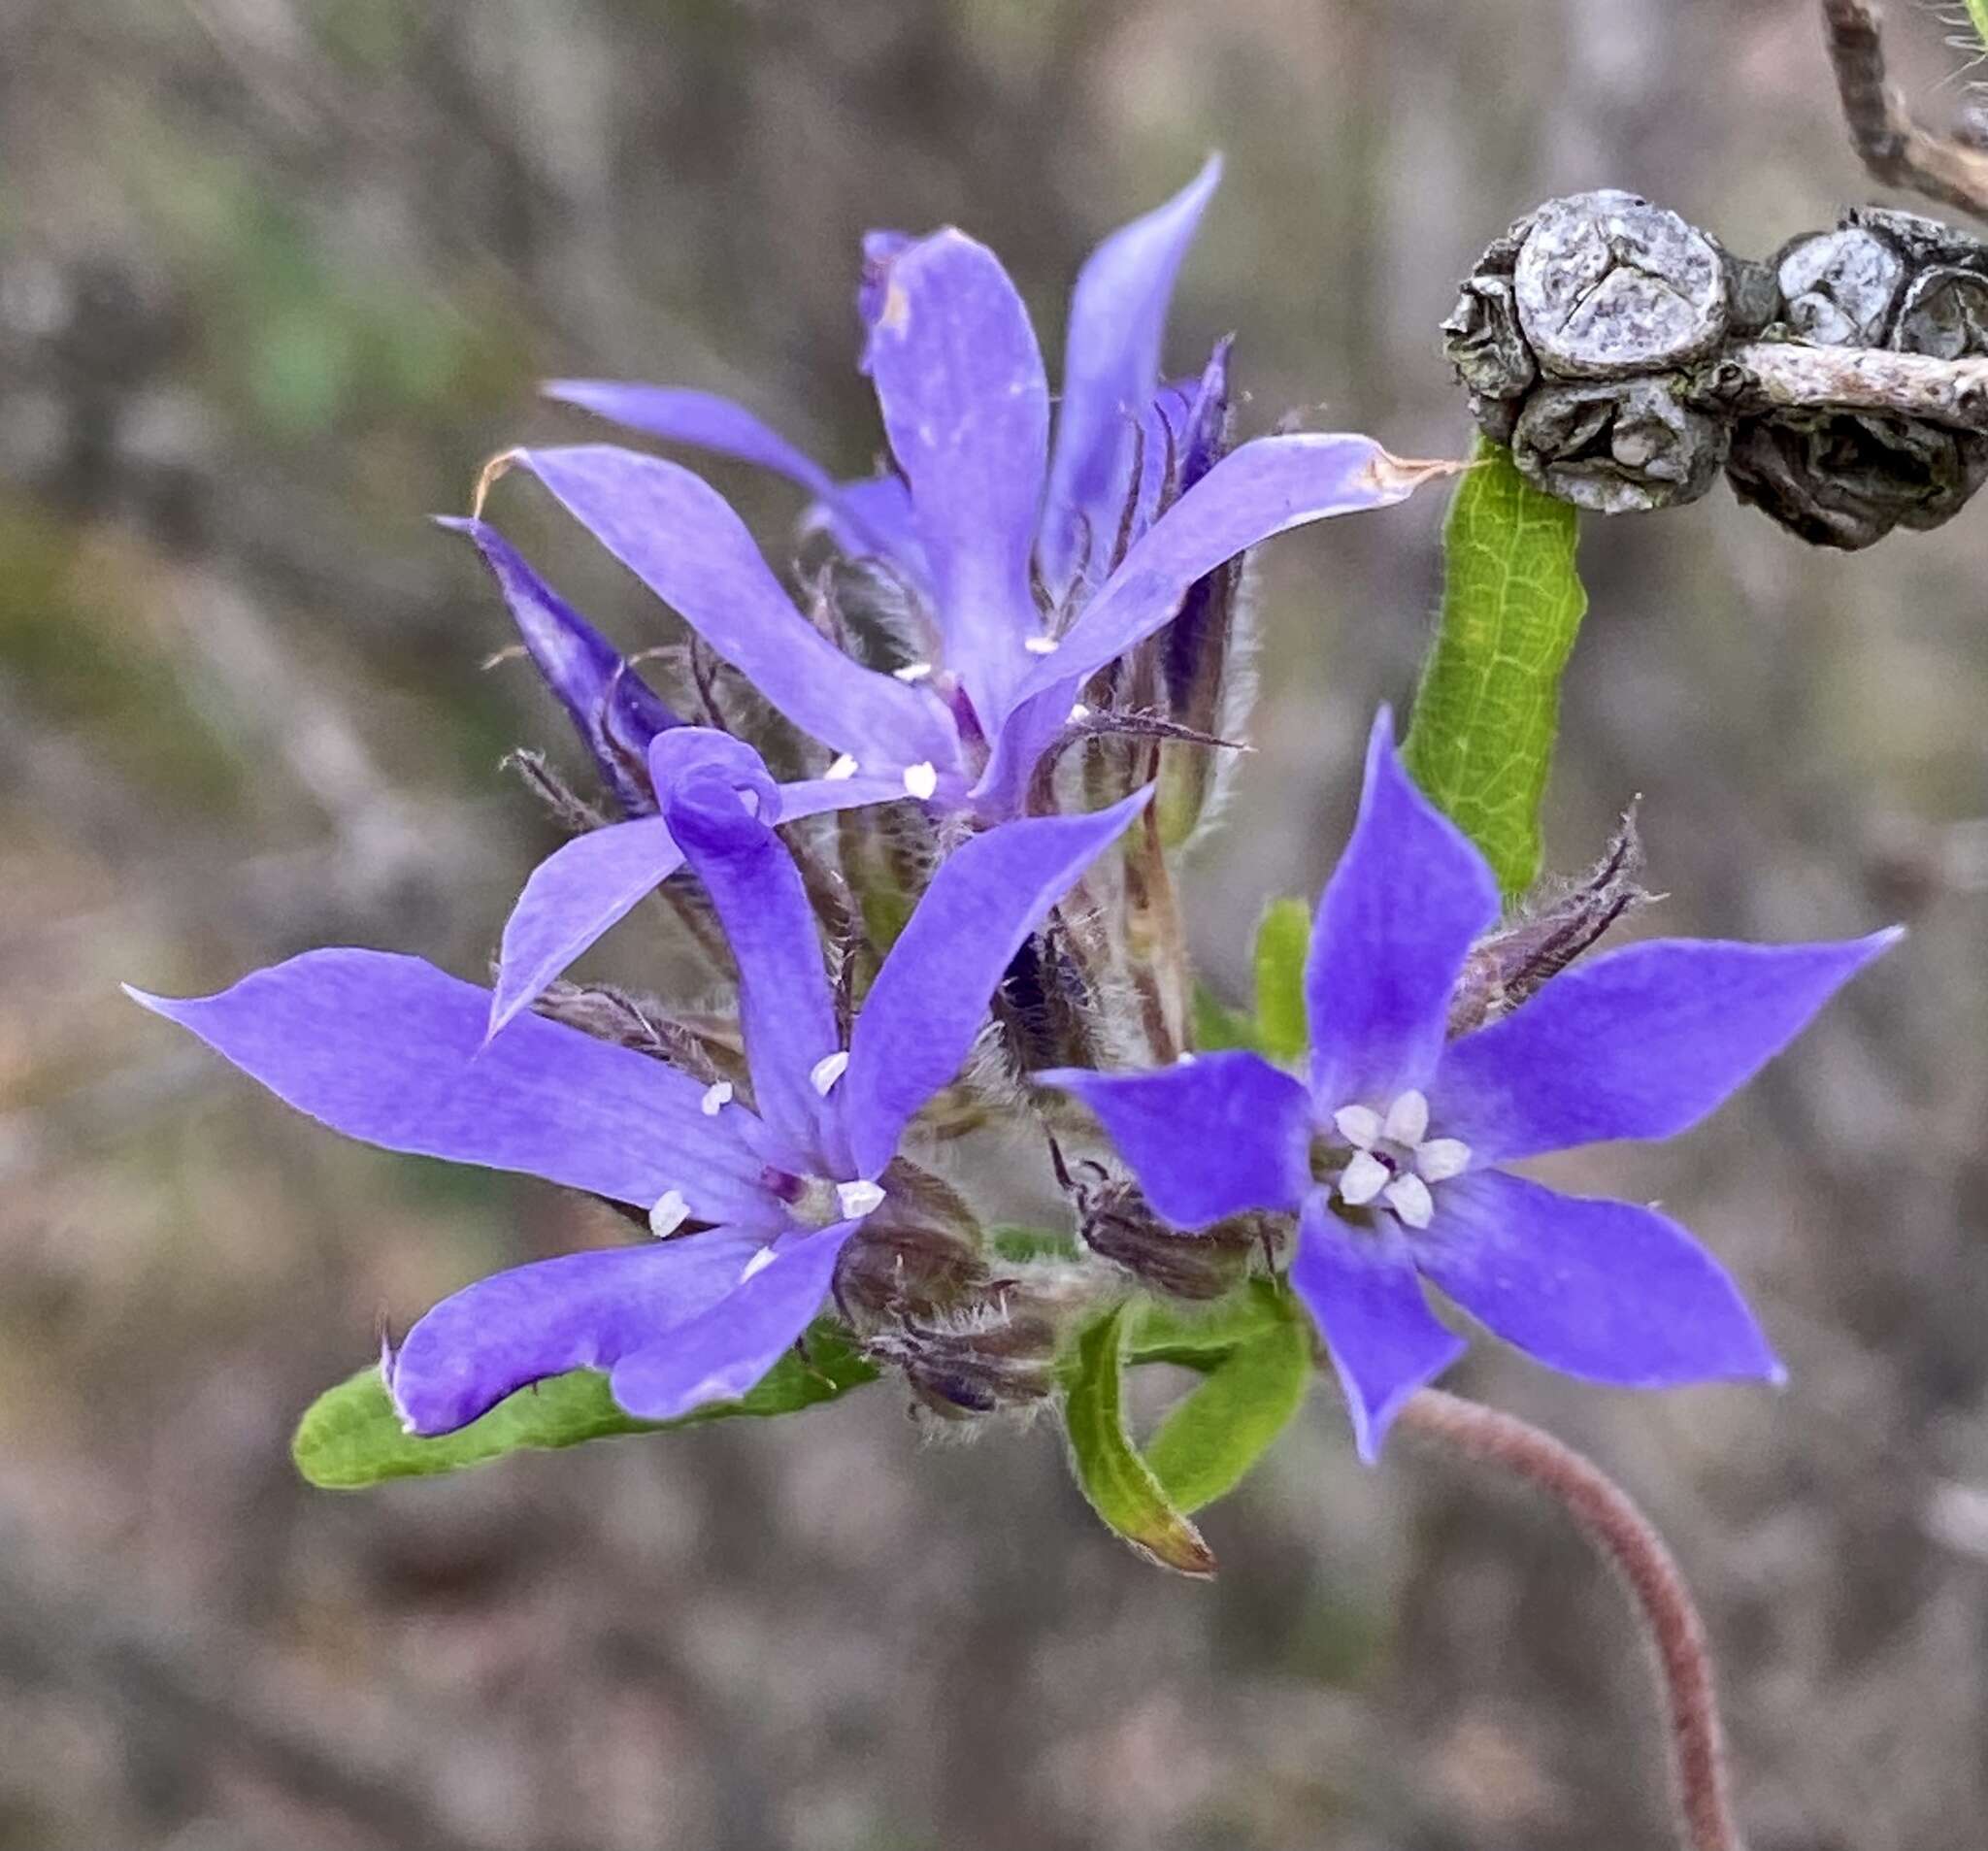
<point x="1389" y="1157"/>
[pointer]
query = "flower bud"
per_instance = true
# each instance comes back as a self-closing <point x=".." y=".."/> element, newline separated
<point x="1116" y="1222"/>
<point x="918" y="1255"/>
<point x="986" y="1363"/>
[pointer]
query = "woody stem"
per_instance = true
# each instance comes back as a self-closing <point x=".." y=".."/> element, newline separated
<point x="1668" y="1618"/>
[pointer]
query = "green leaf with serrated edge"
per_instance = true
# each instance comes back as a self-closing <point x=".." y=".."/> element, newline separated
<point x="1283" y="937"/>
<point x="1488" y="705"/>
<point x="1218" y="1026"/>
<point x="1119" y="1484"/>
<point x="1215" y="1434"/>
<point x="1202" y="1336"/>
<point x="350" y="1435"/>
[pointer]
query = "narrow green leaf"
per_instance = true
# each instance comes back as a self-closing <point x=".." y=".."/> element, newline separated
<point x="1202" y="1336"/>
<point x="1282" y="938"/>
<point x="1489" y="704"/>
<point x="1120" y="1486"/>
<point x="350" y="1436"/>
<point x="1215" y="1434"/>
<point x="1977" y="17"/>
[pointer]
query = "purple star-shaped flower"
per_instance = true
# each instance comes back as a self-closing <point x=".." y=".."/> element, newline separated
<point x="983" y="510"/>
<point x="1391" y="1150"/>
<point x="391" y="1050"/>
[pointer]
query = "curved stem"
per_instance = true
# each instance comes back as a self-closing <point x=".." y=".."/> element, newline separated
<point x="1670" y="1621"/>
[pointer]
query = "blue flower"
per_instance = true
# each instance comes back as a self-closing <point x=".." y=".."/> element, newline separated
<point x="1391" y="1150"/>
<point x="983" y="516"/>
<point x="393" y="1051"/>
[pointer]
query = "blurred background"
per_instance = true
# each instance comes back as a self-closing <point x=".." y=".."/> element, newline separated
<point x="276" y="276"/>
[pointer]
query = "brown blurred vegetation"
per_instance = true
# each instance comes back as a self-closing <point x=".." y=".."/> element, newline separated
<point x="275" y="277"/>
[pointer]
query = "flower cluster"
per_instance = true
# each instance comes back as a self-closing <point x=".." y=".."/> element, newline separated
<point x="1015" y="654"/>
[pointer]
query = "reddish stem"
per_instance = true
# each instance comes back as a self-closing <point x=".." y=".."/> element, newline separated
<point x="1670" y="1621"/>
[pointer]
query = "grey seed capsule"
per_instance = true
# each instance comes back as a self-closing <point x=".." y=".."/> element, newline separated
<point x="1608" y="285"/>
<point x="1840" y="287"/>
<point x="1922" y="241"/>
<point x="1945" y="314"/>
<point x="1845" y="479"/>
<point x="1618" y="446"/>
<point x="1753" y="295"/>
<point x="1483" y="339"/>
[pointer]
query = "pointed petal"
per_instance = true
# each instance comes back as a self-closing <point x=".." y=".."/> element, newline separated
<point x="1408" y="897"/>
<point x="719" y="1354"/>
<point x="390" y="1051"/>
<point x="928" y="1002"/>
<point x="582" y="1310"/>
<point x="1362" y="1292"/>
<point x="589" y="884"/>
<point x="1111" y="365"/>
<point x="679" y="416"/>
<point x="570" y="899"/>
<point x="682" y="540"/>
<point x="711" y="422"/>
<point x="1603" y="1290"/>
<point x="1369" y="1306"/>
<point x="959" y="380"/>
<point x="1213" y="1137"/>
<point x="613" y="710"/>
<point x="1265" y="487"/>
<point x="1638" y="1044"/>
<point x="720" y="804"/>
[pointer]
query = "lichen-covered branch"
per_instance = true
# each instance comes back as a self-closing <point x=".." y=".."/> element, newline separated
<point x="1792" y="376"/>
<point x="1895" y="148"/>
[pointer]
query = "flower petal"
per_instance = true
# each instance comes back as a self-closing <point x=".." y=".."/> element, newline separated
<point x="589" y="884"/>
<point x="1604" y="1290"/>
<point x="921" y="1016"/>
<point x="1361" y="1289"/>
<point x="1408" y="897"/>
<point x="582" y="1310"/>
<point x="1265" y="487"/>
<point x="1111" y="366"/>
<point x="722" y="1351"/>
<point x="720" y="804"/>
<point x="390" y="1049"/>
<point x="614" y="711"/>
<point x="1638" y="1044"/>
<point x="681" y="539"/>
<point x="959" y="380"/>
<point x="1019" y="744"/>
<point x="1213" y="1137"/>
<point x="872" y="518"/>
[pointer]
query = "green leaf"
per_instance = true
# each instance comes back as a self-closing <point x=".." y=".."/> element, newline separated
<point x="350" y="1436"/>
<point x="1214" y="1435"/>
<point x="1202" y="1336"/>
<point x="1119" y="1484"/>
<point x="1977" y="17"/>
<point x="1282" y="938"/>
<point x="1489" y="704"/>
<point x="1217" y="1025"/>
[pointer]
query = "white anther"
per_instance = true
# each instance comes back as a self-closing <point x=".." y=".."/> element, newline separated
<point x="829" y="1069"/>
<point x="912" y="671"/>
<point x="1040" y="645"/>
<point x="1363" y="1178"/>
<point x="1408" y="1197"/>
<point x="1080" y="711"/>
<point x="1438" y="1159"/>
<point x="758" y="1263"/>
<point x="922" y="780"/>
<point x="668" y="1214"/>
<point x="1359" y="1125"/>
<point x="844" y="767"/>
<point x="857" y="1198"/>
<point x="1408" y="1119"/>
<point x="716" y="1097"/>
